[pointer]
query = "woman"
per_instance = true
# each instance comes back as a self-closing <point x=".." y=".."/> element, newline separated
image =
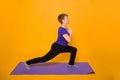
<point x="60" y="45"/>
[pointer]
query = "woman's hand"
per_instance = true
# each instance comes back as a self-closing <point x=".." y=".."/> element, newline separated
<point x="70" y="30"/>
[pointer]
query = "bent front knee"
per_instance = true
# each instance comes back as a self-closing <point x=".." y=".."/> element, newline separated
<point x="75" y="49"/>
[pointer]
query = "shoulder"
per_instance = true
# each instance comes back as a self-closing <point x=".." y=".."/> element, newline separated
<point x="62" y="29"/>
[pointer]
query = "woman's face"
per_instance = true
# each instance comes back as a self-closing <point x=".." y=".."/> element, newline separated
<point x="65" y="21"/>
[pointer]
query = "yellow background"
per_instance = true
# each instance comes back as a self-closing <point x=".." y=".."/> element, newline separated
<point x="29" y="27"/>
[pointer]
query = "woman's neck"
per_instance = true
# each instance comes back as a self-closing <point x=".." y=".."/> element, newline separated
<point x="63" y="25"/>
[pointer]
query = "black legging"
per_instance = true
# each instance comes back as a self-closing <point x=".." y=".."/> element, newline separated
<point x="54" y="51"/>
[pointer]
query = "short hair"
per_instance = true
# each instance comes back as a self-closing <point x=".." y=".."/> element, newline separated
<point x="61" y="17"/>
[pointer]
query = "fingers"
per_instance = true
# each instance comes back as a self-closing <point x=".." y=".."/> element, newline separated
<point x="70" y="27"/>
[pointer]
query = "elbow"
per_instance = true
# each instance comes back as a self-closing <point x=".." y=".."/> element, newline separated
<point x="69" y="40"/>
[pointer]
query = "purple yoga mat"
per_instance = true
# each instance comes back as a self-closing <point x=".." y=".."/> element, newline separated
<point x="53" y="68"/>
